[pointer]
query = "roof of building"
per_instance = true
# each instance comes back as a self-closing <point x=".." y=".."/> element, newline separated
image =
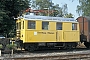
<point x="88" y="18"/>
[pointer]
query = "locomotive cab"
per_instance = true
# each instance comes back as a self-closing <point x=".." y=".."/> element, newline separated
<point x="35" y="31"/>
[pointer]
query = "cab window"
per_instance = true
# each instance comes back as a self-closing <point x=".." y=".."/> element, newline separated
<point x="45" y="25"/>
<point x="74" y="26"/>
<point x="31" y="24"/>
<point x="58" y="26"/>
<point x="18" y="25"/>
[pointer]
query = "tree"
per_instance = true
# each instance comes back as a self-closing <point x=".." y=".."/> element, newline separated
<point x="84" y="8"/>
<point x="70" y="15"/>
<point x="58" y="11"/>
<point x="41" y="4"/>
<point x="65" y="9"/>
<point x="8" y="10"/>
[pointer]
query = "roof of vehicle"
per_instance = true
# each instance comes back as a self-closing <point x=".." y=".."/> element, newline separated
<point x="48" y="18"/>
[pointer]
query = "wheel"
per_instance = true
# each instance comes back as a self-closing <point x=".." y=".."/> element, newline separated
<point x="87" y="44"/>
<point x="64" y="47"/>
<point x="69" y="46"/>
<point x="31" y="47"/>
<point x="74" y="45"/>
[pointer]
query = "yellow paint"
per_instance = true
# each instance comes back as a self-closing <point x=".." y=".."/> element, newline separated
<point x="19" y="20"/>
<point x="51" y="35"/>
<point x="59" y="36"/>
<point x="70" y="36"/>
<point x="52" y="25"/>
<point x="67" y="26"/>
<point x="39" y="24"/>
<point x="40" y="36"/>
<point x="22" y="35"/>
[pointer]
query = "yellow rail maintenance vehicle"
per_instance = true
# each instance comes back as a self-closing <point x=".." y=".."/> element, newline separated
<point x="35" y="31"/>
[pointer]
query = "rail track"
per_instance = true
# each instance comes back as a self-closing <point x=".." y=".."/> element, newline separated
<point x="55" y="57"/>
<point x="69" y="55"/>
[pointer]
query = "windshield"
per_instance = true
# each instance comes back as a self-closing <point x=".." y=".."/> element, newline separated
<point x="18" y="25"/>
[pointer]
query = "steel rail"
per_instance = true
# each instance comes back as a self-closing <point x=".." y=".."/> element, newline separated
<point x="54" y="57"/>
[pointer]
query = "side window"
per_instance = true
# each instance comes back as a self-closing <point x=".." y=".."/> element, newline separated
<point x="45" y="25"/>
<point x="58" y="26"/>
<point x="23" y="25"/>
<point x="31" y="24"/>
<point x="74" y="26"/>
<point x="19" y="25"/>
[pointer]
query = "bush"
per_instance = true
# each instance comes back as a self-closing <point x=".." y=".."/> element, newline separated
<point x="0" y="46"/>
<point x="11" y="46"/>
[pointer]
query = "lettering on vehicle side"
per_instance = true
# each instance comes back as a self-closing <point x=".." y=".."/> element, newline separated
<point x="45" y="32"/>
<point x="50" y="32"/>
<point x="42" y="32"/>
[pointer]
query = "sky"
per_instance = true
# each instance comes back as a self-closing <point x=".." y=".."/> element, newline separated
<point x="72" y="6"/>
